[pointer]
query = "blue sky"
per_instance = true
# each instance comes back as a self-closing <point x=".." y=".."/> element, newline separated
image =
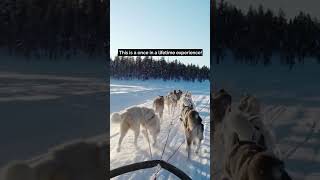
<point x="161" y="24"/>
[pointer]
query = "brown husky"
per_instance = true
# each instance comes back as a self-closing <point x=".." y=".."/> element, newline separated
<point x="193" y="127"/>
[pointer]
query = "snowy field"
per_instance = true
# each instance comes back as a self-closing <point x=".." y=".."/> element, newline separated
<point x="47" y="103"/>
<point x="291" y="105"/>
<point x="124" y="94"/>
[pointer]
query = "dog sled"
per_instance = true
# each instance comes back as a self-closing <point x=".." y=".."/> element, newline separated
<point x="146" y="165"/>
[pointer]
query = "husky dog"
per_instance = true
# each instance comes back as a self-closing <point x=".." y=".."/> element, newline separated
<point x="237" y="123"/>
<point x="186" y="100"/>
<point x="193" y="127"/>
<point x="249" y="161"/>
<point x="132" y="118"/>
<point x="158" y="105"/>
<point x="247" y="123"/>
<point x="221" y="104"/>
<point x="171" y="101"/>
<point x="250" y="105"/>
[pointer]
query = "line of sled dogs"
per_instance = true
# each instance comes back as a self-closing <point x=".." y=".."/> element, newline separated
<point x="249" y="147"/>
<point x="134" y="117"/>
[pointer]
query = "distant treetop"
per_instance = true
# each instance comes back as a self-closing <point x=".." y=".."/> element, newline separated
<point x="253" y="37"/>
<point x="149" y="68"/>
<point x="53" y="28"/>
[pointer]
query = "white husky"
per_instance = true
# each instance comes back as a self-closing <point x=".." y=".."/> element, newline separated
<point x="132" y="118"/>
<point x="248" y="124"/>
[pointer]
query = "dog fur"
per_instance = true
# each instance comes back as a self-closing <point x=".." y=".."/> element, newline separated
<point x="186" y="100"/>
<point x="171" y="101"/>
<point x="249" y="161"/>
<point x="237" y="122"/>
<point x="193" y="128"/>
<point x="158" y="105"/>
<point x="221" y="103"/>
<point x="251" y="106"/>
<point x="132" y="118"/>
<point x="179" y="94"/>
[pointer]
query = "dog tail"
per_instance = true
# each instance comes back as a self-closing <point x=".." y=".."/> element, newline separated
<point x="115" y="117"/>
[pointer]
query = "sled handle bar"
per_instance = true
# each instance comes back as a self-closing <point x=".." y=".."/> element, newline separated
<point x="146" y="165"/>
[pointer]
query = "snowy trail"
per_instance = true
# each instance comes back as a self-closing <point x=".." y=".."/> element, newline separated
<point x="292" y="127"/>
<point x="199" y="165"/>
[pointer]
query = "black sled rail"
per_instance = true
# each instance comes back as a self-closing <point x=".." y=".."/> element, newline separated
<point x="146" y="165"/>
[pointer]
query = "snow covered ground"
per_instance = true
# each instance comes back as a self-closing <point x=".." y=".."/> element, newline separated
<point x="291" y="104"/>
<point x="128" y="93"/>
<point x="47" y="103"/>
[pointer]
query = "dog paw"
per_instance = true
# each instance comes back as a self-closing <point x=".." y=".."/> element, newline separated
<point x="118" y="149"/>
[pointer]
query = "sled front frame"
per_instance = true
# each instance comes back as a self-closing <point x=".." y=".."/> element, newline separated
<point x="146" y="165"/>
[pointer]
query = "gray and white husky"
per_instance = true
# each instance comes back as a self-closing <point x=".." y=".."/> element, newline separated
<point x="186" y="100"/>
<point x="132" y="118"/>
<point x="193" y="127"/>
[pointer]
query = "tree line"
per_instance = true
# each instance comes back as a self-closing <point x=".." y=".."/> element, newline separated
<point x="53" y="28"/>
<point x="148" y="68"/>
<point x="256" y="35"/>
